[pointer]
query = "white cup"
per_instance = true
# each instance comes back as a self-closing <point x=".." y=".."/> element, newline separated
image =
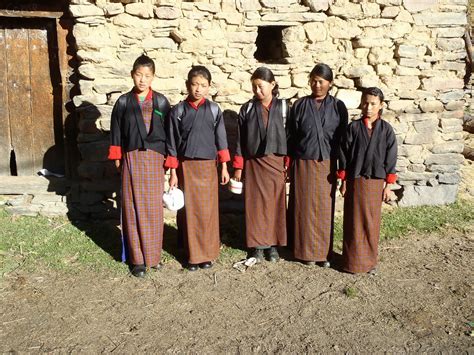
<point x="173" y="199"/>
<point x="235" y="186"/>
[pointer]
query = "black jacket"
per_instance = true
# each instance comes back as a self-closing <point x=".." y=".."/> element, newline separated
<point x="371" y="157"/>
<point x="256" y="140"/>
<point x="316" y="134"/>
<point x="127" y="128"/>
<point x="195" y="134"/>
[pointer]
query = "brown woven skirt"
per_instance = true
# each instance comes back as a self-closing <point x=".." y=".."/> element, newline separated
<point x="265" y="201"/>
<point x="198" y="221"/>
<point x="142" y="206"/>
<point x="312" y="220"/>
<point x="362" y="213"/>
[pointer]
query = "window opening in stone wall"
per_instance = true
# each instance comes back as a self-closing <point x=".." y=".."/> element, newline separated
<point x="269" y="44"/>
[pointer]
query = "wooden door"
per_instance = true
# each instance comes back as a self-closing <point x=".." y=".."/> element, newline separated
<point x="28" y="81"/>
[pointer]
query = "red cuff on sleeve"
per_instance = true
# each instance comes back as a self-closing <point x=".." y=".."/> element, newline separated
<point x="238" y="162"/>
<point x="391" y="178"/>
<point x="287" y="161"/>
<point x="171" y="162"/>
<point x="341" y="174"/>
<point x="115" y="152"/>
<point x="223" y="155"/>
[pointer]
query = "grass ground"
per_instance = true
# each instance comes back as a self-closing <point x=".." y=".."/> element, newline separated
<point x="28" y="243"/>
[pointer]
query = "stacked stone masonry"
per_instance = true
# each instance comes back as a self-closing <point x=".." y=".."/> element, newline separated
<point x="412" y="49"/>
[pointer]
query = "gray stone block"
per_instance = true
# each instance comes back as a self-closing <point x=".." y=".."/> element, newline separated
<point x="451" y="96"/>
<point x="455" y="105"/>
<point x="409" y="150"/>
<point x="431" y="106"/>
<point x="457" y="114"/>
<point x="440" y="18"/>
<point x="419" y="138"/>
<point x="413" y="176"/>
<point x="90" y="198"/>
<point x="91" y="137"/>
<point x="54" y="209"/>
<point x="91" y="170"/>
<point x="450" y="44"/>
<point x="21" y="200"/>
<point x="104" y="185"/>
<point x="444" y="159"/>
<point x="406" y="182"/>
<point x="411" y="117"/>
<point x="443" y="168"/>
<point x="426" y="126"/>
<point x="416" y="168"/>
<point x="95" y="151"/>
<point x="47" y="198"/>
<point x="452" y="136"/>
<point x="31" y="211"/>
<point x="449" y="178"/>
<point x="428" y="195"/>
<point x="449" y="147"/>
<point x="432" y="182"/>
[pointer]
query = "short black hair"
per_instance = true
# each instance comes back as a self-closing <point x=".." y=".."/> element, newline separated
<point x="201" y="70"/>
<point x="144" y="61"/>
<point x="373" y="91"/>
<point x="263" y="73"/>
<point x="322" y="70"/>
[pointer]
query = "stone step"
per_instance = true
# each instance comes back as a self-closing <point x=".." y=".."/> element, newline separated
<point x="18" y="185"/>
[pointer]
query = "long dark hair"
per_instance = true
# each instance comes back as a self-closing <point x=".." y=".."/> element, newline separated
<point x="201" y="70"/>
<point x="263" y="73"/>
<point x="322" y="70"/>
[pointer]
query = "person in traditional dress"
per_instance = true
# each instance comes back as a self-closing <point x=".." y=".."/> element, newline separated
<point x="260" y="154"/>
<point x="138" y="146"/>
<point x="196" y="137"/>
<point x="368" y="159"/>
<point x="315" y="127"/>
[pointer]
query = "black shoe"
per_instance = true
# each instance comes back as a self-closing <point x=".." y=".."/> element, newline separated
<point x="157" y="267"/>
<point x="373" y="272"/>
<point x="193" y="267"/>
<point x="205" y="265"/>
<point x="272" y="254"/>
<point x="258" y="254"/>
<point x="324" y="264"/>
<point x="138" y="270"/>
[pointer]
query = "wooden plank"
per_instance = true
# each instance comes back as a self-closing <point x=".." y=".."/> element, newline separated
<point x="41" y="98"/>
<point x="4" y="120"/>
<point x="31" y="14"/>
<point x="19" y="98"/>
<point x="64" y="29"/>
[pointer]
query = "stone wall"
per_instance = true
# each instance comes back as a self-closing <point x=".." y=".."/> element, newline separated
<point x="413" y="49"/>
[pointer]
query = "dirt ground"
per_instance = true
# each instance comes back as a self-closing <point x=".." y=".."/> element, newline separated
<point x="420" y="301"/>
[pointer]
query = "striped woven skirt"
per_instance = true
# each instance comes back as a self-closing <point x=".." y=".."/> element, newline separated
<point x="312" y="208"/>
<point x="362" y="217"/>
<point x="142" y="206"/>
<point x="265" y="201"/>
<point x="198" y="221"/>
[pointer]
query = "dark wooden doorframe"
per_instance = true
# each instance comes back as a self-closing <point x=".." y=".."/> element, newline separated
<point x="31" y="90"/>
<point x="56" y="10"/>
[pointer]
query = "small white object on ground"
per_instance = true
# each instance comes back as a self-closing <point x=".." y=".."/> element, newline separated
<point x="243" y="265"/>
<point x="46" y="172"/>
